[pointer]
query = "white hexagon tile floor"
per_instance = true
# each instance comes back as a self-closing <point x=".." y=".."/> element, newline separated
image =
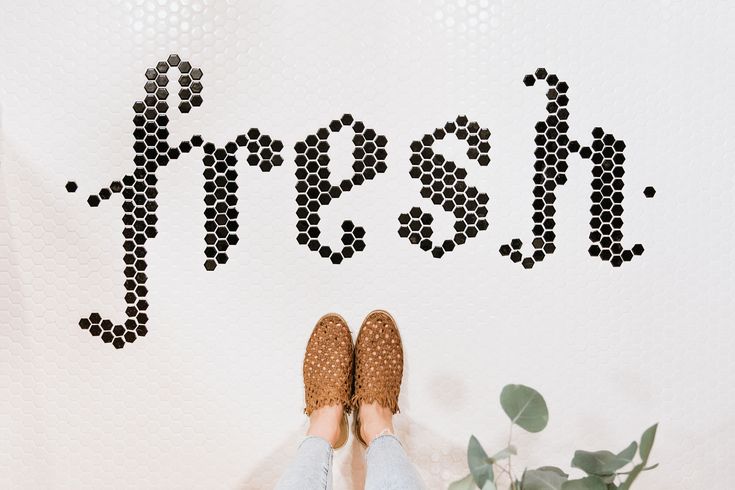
<point x="457" y="162"/>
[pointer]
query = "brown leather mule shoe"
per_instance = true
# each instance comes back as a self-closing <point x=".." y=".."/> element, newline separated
<point x="328" y="369"/>
<point x="378" y="365"/>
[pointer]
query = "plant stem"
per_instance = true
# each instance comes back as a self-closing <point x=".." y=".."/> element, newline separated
<point x="647" y="468"/>
<point x="510" y="456"/>
<point x="502" y="469"/>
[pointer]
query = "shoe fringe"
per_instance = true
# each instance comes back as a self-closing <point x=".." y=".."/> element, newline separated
<point x="315" y="405"/>
<point x="387" y="401"/>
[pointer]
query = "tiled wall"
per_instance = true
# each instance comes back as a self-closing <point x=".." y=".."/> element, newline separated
<point x="404" y="150"/>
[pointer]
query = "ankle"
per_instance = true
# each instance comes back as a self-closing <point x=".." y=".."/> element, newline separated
<point x="324" y="422"/>
<point x="375" y="420"/>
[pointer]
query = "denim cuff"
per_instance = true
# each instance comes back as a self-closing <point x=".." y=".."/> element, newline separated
<point x="382" y="440"/>
<point x="316" y="441"/>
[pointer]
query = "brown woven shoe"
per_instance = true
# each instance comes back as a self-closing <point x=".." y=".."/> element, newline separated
<point x="328" y="368"/>
<point x="378" y="365"/>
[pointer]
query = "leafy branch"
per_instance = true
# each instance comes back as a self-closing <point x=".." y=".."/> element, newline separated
<point x="526" y="408"/>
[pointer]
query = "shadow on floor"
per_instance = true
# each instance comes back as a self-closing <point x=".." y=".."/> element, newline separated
<point x="438" y="460"/>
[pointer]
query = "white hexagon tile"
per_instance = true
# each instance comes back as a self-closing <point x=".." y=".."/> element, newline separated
<point x="540" y="192"/>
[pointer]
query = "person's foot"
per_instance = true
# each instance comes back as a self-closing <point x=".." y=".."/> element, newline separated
<point x="375" y="420"/>
<point x="325" y="422"/>
<point x="328" y="379"/>
<point x="378" y="376"/>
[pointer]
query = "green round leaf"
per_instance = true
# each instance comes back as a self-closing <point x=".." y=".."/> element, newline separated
<point x="525" y="407"/>
<point x="554" y="469"/>
<point x="466" y="483"/>
<point x="631" y="477"/>
<point x="647" y="442"/>
<point x="543" y="479"/>
<point x="504" y="453"/>
<point x="588" y="483"/>
<point x="480" y="466"/>
<point x="603" y="463"/>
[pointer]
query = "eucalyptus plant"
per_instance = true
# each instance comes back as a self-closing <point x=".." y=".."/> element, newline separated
<point x="526" y="408"/>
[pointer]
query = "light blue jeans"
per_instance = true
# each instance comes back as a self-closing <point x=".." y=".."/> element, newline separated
<point x="388" y="467"/>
